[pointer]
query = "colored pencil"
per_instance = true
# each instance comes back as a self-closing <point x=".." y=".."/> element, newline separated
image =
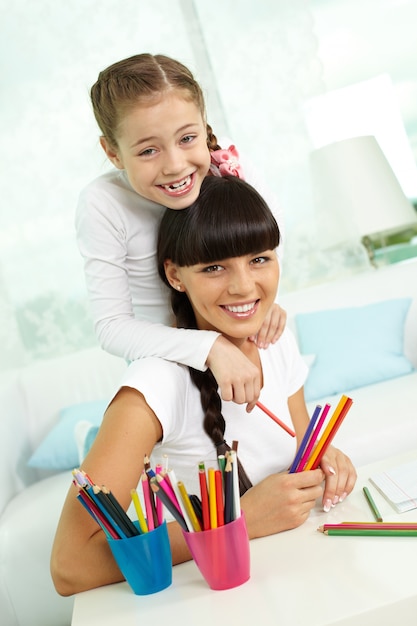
<point x="160" y="493"/>
<point x="97" y="515"/>
<point x="305" y="439"/>
<point x="218" y="478"/>
<point x="164" y="484"/>
<point x="371" y="532"/>
<point x="228" y="492"/>
<point x="332" y="427"/>
<point x="204" y="495"/>
<point x="196" y="504"/>
<point x="174" y="485"/>
<point x="221" y="461"/>
<point x="212" y="497"/>
<point x="195" y="524"/>
<point x="236" y="489"/>
<point x="119" y="511"/>
<point x="139" y="512"/>
<point x="147" y="498"/>
<point x="159" y="505"/>
<point x="276" y="419"/>
<point x="375" y="512"/>
<point x="371" y="526"/>
<point x="98" y="501"/>
<point x="313" y="438"/>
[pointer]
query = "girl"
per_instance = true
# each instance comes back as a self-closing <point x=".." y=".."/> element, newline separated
<point x="222" y="269"/>
<point x="151" y="113"/>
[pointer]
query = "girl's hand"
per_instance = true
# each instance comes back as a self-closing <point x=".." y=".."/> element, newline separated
<point x="340" y="477"/>
<point x="237" y="377"/>
<point x="281" y="502"/>
<point x="272" y="327"/>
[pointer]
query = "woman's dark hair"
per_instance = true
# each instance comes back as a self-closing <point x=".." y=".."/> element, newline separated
<point x="229" y="219"/>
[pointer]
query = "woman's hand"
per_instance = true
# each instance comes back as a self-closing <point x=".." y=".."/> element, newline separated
<point x="272" y="327"/>
<point x="237" y="377"/>
<point x="340" y="477"/>
<point x="281" y="502"/>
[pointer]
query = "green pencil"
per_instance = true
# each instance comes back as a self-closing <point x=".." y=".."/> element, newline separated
<point x="372" y="505"/>
<point x="368" y="532"/>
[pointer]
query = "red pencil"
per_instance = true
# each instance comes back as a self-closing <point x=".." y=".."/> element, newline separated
<point x="276" y="419"/>
<point x="204" y="496"/>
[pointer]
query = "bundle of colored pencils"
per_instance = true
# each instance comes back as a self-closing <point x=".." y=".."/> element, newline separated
<point x="103" y="507"/>
<point x="313" y="447"/>
<point x="217" y="503"/>
<point x="371" y="529"/>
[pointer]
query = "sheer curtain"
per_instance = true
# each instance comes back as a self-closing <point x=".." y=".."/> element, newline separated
<point x="256" y="67"/>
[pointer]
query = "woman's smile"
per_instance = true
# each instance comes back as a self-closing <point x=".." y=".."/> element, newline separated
<point x="241" y="311"/>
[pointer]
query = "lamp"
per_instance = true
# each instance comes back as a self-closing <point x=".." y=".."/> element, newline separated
<point x="356" y="193"/>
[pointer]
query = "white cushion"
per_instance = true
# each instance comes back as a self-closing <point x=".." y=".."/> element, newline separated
<point x="381" y="423"/>
<point x="27" y="529"/>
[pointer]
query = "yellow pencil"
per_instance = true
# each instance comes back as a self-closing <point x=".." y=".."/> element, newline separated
<point x="141" y="518"/>
<point x="189" y="507"/>
<point x="212" y="497"/>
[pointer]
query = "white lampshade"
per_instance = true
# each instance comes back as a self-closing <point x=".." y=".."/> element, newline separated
<point x="355" y="191"/>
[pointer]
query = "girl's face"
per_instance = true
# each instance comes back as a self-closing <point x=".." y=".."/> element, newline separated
<point x="231" y="296"/>
<point x="162" y="146"/>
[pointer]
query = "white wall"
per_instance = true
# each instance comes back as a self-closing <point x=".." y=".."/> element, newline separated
<point x="258" y="63"/>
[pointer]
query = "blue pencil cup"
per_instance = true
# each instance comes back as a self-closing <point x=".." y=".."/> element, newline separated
<point x="145" y="560"/>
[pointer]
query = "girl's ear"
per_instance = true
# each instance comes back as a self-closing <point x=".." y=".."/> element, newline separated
<point x="111" y="153"/>
<point x="172" y="274"/>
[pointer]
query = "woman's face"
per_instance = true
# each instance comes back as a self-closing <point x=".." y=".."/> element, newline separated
<point x="231" y="296"/>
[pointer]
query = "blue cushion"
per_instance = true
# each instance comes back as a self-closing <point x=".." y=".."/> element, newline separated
<point x="354" y="346"/>
<point x="58" y="450"/>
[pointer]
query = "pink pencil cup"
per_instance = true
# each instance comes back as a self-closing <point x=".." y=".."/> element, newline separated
<point x="222" y="554"/>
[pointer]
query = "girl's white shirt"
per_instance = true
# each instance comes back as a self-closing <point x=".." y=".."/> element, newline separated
<point x="116" y="235"/>
<point x="264" y="447"/>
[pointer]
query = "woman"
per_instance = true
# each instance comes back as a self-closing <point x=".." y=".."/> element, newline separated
<point x="222" y="268"/>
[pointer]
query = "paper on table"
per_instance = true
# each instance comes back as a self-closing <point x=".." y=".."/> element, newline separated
<point x="399" y="486"/>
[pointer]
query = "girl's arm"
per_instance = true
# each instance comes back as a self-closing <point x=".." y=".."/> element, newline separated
<point x="120" y="270"/>
<point x="101" y="231"/>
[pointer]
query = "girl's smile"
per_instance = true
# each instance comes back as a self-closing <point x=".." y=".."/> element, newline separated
<point x="181" y="187"/>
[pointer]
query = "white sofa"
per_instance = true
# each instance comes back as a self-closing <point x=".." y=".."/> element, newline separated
<point x="382" y="421"/>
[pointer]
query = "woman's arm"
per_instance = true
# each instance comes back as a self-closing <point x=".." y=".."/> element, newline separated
<point x="81" y="558"/>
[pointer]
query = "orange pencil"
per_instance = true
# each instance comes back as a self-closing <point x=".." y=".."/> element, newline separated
<point x="330" y="431"/>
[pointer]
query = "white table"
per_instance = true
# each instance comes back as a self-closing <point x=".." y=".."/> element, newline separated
<point x="298" y="578"/>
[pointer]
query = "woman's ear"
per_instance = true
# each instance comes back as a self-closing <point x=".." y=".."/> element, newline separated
<point x="111" y="153"/>
<point x="172" y="274"/>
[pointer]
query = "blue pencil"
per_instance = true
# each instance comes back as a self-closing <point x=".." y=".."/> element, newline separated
<point x="305" y="439"/>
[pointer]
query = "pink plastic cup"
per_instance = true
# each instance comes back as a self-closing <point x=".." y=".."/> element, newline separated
<point x="222" y="554"/>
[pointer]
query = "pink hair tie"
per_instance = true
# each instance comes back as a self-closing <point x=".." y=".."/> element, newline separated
<point x="226" y="162"/>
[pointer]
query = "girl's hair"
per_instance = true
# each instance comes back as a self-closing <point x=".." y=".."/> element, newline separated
<point x="142" y="77"/>
<point x="229" y="219"/>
